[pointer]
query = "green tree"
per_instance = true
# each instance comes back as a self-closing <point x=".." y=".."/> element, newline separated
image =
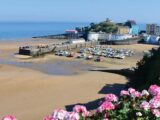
<point x="104" y="27"/>
<point x="148" y="70"/>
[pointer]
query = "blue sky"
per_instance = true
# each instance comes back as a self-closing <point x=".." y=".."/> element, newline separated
<point x="143" y="11"/>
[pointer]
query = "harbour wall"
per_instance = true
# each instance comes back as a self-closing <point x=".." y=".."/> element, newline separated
<point x="41" y="50"/>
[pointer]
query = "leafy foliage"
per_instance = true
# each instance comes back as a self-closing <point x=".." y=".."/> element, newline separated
<point x="148" y="70"/>
<point x="107" y="27"/>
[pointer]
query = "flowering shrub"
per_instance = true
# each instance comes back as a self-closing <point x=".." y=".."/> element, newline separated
<point x="9" y="117"/>
<point x="111" y="98"/>
<point x="131" y="105"/>
<point x="81" y="110"/>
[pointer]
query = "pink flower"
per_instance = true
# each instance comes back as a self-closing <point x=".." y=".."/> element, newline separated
<point x="111" y="98"/>
<point x="81" y="110"/>
<point x="135" y="94"/>
<point x="156" y="112"/>
<point x="9" y="117"/>
<point x="154" y="103"/>
<point x="124" y="93"/>
<point x="154" y="90"/>
<point x="48" y="118"/>
<point x="72" y="116"/>
<point x="157" y="97"/>
<point x="131" y="90"/>
<point x="59" y="114"/>
<point x="145" y="92"/>
<point x="106" y="106"/>
<point x="145" y="105"/>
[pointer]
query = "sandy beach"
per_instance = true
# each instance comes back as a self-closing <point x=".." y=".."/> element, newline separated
<point x="30" y="94"/>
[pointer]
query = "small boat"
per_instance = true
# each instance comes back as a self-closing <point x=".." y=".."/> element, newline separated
<point x="59" y="53"/>
<point x="89" y="57"/>
<point x="82" y="55"/>
<point x="65" y="53"/>
<point x="71" y="55"/>
<point x="99" y="59"/>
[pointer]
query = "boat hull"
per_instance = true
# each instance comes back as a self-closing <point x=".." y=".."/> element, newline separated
<point x="122" y="42"/>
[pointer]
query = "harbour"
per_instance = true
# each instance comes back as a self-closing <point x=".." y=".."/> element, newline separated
<point x="79" y="60"/>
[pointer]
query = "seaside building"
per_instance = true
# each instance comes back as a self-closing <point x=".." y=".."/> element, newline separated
<point x="93" y="36"/>
<point x="123" y="30"/>
<point x="103" y="37"/>
<point x="98" y="36"/>
<point x="153" y="29"/>
<point x="134" y="28"/>
<point x="72" y="34"/>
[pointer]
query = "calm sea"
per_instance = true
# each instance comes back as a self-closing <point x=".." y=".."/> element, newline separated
<point x="20" y="30"/>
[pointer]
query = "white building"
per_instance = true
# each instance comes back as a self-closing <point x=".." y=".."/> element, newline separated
<point x="93" y="36"/>
<point x="152" y="39"/>
<point x="101" y="36"/>
<point x="104" y="36"/>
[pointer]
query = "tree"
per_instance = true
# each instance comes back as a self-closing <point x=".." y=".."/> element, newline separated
<point x="148" y="70"/>
<point x="104" y="27"/>
<point x="93" y="25"/>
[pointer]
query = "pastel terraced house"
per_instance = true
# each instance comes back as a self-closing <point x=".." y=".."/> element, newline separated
<point x="123" y="30"/>
<point x="134" y="28"/>
<point x="153" y="29"/>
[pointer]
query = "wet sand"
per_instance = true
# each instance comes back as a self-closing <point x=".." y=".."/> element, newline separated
<point x="30" y="94"/>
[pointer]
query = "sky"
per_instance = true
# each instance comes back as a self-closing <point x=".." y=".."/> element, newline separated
<point x="143" y="11"/>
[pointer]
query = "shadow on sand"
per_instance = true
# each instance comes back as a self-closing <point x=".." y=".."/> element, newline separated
<point x="108" y="88"/>
<point x="92" y="105"/>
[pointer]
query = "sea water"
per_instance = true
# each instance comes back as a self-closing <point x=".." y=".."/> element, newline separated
<point x="21" y="30"/>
